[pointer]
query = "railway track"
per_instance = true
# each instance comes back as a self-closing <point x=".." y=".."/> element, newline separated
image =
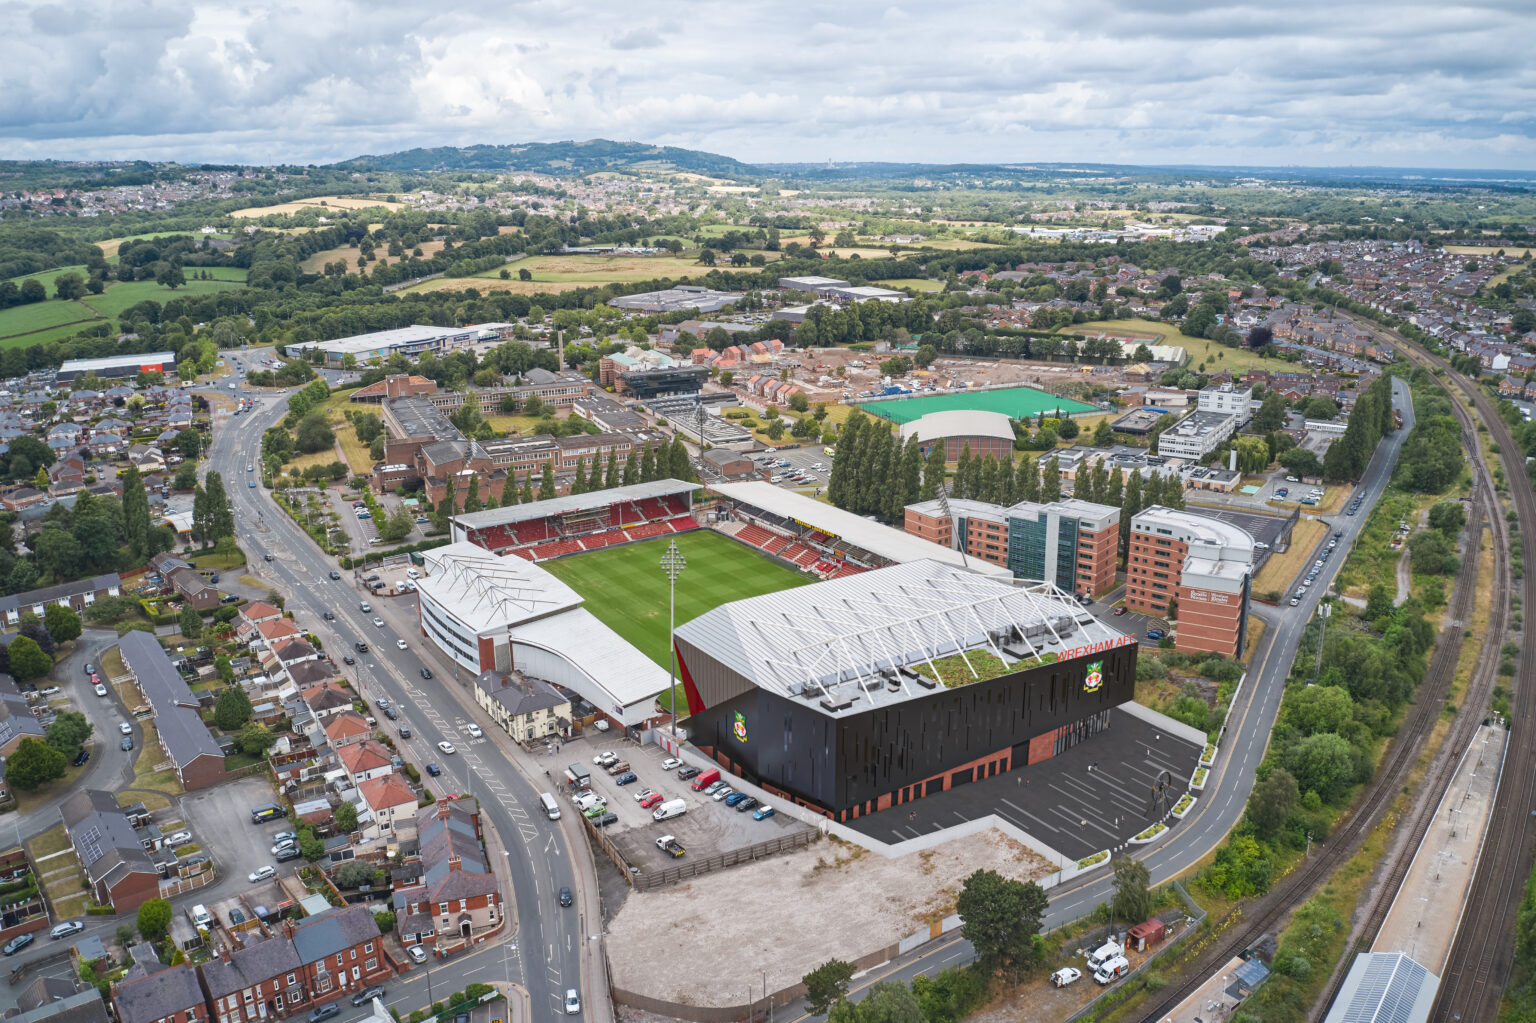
<point x="1265" y="914"/>
<point x="1482" y="954"/>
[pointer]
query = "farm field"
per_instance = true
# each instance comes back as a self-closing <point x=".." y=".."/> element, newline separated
<point x="48" y="321"/>
<point x="319" y="202"/>
<point x="1015" y="402"/>
<point x="915" y="283"/>
<point x="21" y="320"/>
<point x="624" y="588"/>
<point x="349" y="253"/>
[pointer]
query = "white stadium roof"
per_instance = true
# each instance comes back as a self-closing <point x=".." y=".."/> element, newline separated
<point x="570" y="503"/>
<point x="958" y="423"/>
<point x="597" y="653"/>
<point x="848" y="638"/>
<point x="486" y="591"/>
<point x="882" y="540"/>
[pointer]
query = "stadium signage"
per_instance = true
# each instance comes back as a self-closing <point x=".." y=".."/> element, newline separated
<point x="739" y="729"/>
<point x="1094" y="648"/>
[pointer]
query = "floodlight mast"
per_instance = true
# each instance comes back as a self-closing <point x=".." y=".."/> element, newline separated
<point x="672" y="563"/>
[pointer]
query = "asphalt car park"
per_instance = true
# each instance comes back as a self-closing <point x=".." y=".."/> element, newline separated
<point x="709" y="827"/>
<point x="800" y="460"/>
<point x="239" y="848"/>
<point x="1132" y="623"/>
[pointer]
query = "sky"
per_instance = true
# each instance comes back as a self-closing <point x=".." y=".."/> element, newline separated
<point x="1403" y="84"/>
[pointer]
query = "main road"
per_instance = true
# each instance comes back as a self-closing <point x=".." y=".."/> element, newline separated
<point x="554" y="948"/>
<point x="1242" y="747"/>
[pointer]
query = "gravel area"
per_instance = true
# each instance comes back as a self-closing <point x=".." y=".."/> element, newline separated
<point x="695" y="942"/>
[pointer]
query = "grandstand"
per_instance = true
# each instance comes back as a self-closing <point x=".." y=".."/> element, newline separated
<point x="559" y="526"/>
<point x="816" y="538"/>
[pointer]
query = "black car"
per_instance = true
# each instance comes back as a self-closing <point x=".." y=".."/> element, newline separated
<point x="16" y="944"/>
<point x="330" y="616"/>
<point x="127" y="743"/>
<point x="565" y="897"/>
<point x="685" y="773"/>
<point x="746" y="804"/>
<point x="391" y="713"/>
<point x="81" y="757"/>
<point x="426" y="672"/>
<point x="289" y="853"/>
<point x="268" y="557"/>
<point x="348" y="659"/>
<point x="607" y="819"/>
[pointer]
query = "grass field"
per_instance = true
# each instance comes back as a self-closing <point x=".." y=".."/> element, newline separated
<point x="566" y="273"/>
<point x="626" y="589"/>
<point x="1015" y="402"/>
<point x="47" y="321"/>
<point x="1215" y="357"/>
<point x="915" y="283"/>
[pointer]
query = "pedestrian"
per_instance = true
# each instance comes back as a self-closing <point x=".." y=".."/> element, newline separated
<point x="912" y="816"/>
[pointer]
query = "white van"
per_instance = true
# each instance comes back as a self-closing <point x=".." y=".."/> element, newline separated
<point x="551" y="808"/>
<point x="1104" y="953"/>
<point x="587" y="800"/>
<point x="1112" y="970"/>
<point x="201" y="917"/>
<point x="671" y="808"/>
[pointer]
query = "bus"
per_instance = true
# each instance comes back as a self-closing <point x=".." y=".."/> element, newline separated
<point x="551" y="808"/>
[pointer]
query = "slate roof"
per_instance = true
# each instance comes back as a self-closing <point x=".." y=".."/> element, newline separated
<point x="330" y="932"/>
<point x="146" y="998"/>
<point x="176" y="708"/>
<point x="16" y="717"/>
<point x="96" y="584"/>
<point x="306" y="674"/>
<point x="105" y="842"/>
<point x="250" y="965"/>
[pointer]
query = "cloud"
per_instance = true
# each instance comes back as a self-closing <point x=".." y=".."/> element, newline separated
<point x="1149" y="81"/>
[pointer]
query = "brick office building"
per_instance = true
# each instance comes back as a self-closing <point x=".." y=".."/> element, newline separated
<point x="1203" y="565"/>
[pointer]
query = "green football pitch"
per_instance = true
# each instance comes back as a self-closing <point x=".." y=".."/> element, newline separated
<point x="626" y="588"/>
<point x="1014" y="402"/>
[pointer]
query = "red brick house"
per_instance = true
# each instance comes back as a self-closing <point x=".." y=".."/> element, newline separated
<point x="341" y="951"/>
<point x="455" y="901"/>
<point x="170" y="994"/>
<point x="255" y="981"/>
<point x="347" y="728"/>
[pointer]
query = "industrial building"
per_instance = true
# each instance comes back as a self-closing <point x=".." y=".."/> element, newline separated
<point x="861" y="693"/>
<point x="1197" y="567"/>
<point x="487" y="612"/>
<point x="382" y="344"/>
<point x="987" y="434"/>
<point x="117" y="366"/>
<point x="672" y="300"/>
<point x="1071" y="543"/>
<point x="811" y="285"/>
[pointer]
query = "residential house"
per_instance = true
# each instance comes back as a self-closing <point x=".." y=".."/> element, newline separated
<point x="110" y="851"/>
<point x="326" y="701"/>
<point x="527" y="708"/>
<point x="308" y="674"/>
<point x="255" y="982"/>
<point x="77" y="596"/>
<point x="170" y="994"/>
<point x="454" y="900"/>
<point x="342" y="951"/>
<point x="391" y="804"/>
<point x="198" y="760"/>
<point x="146" y="459"/>
<point x="346" y="728"/>
<point x="17" y="722"/>
<point x="83" y="1006"/>
<point x="66" y="475"/>
<point x="365" y="761"/>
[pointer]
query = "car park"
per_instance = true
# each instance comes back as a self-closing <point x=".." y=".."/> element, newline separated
<point x="367" y="995"/>
<point x="644" y="793"/>
<point x="286" y="843"/>
<point x="281" y="836"/>
<point x="434" y="770"/>
<point x="651" y="800"/>
<point x="606" y="819"/>
<point x="670" y="763"/>
<point x="1121" y="610"/>
<point x="262" y="873"/>
<point x="66" y="928"/>
<point x="605" y="759"/>
<point x="713" y="787"/>
<point x="267" y="812"/>
<point x="762" y="813"/>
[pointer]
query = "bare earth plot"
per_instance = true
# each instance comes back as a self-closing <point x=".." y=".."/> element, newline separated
<point x="687" y="943"/>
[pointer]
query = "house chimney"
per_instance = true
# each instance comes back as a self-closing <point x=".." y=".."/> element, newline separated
<point x="454" y="862"/>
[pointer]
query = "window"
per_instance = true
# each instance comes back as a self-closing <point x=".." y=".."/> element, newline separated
<point x="248" y="996"/>
<point x="354" y="955"/>
<point x="372" y="964"/>
<point x="339" y="960"/>
<point x="368" y="947"/>
<point x="277" y="1003"/>
<point x="291" y="980"/>
<point x="442" y="907"/>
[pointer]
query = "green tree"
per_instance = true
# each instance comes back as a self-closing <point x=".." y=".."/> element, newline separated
<point x="1271" y="414"/>
<point x="933" y="471"/>
<point x="1272" y="802"/>
<point x="826" y="985"/>
<point x="547" y="479"/>
<point x="69" y="287"/>
<point x="1050" y="481"/>
<point x="1133" y="896"/>
<point x="1324" y="764"/>
<point x="154" y="918"/>
<point x="1000" y="918"/>
<point x="612" y="477"/>
<point x="314" y="433"/>
<point x="386" y="919"/>
<point x="254" y="739"/>
<point x="232" y="709"/>
<point x="1301" y="462"/>
<point x="1103" y="434"/>
<point x="890" y="1001"/>
<point x="221" y="517"/>
<point x="62" y="623"/>
<point x="135" y="514"/>
<point x="68" y="732"/>
<point x="28" y="661"/>
<point x="1446" y="516"/>
<point x="472" y="496"/>
<point x="346" y="822"/>
<point x="1320" y="407"/>
<point x="191" y="622"/>
<point x="33" y="764"/>
<point x="396" y="526"/>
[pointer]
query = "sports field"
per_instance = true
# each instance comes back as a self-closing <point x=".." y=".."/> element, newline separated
<point x="626" y="588"/>
<point x="1014" y="402"/>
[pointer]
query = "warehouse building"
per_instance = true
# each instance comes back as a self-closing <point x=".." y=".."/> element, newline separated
<point x="672" y="300"/>
<point x="1071" y="543"/>
<point x="382" y="344"/>
<point x="866" y="692"/>
<point x="118" y="366"/>
<point x="1196" y="566"/>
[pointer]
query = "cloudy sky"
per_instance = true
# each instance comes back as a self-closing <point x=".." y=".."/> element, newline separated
<point x="1121" y="81"/>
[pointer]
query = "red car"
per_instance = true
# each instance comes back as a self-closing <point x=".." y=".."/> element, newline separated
<point x="1119" y="610"/>
<point x="651" y="800"/>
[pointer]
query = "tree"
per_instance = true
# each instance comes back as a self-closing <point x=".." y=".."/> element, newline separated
<point x="1324" y="764"/>
<point x="154" y="918"/>
<point x="68" y="732"/>
<point x="221" y="517"/>
<point x="933" y="472"/>
<point x="1272" y="802"/>
<point x="135" y="513"/>
<point x="1103" y="434"/>
<point x="1260" y="337"/>
<point x="1252" y="454"/>
<point x="1446" y="516"/>
<point x="1000" y="918"/>
<point x="472" y="496"/>
<point x="1050" y="481"/>
<point x="396" y="526"/>
<point x="254" y="739"/>
<point x="1271" y="414"/>
<point x="69" y="286"/>
<point x="547" y="480"/>
<point x="1320" y="407"/>
<point x="1133" y="899"/>
<point x="386" y="919"/>
<point x="890" y="1001"/>
<point x="346" y="822"/>
<point x="1431" y="553"/>
<point x="33" y="764"/>
<point x="191" y="622"/>
<point x="1301" y="462"/>
<point x="28" y="661"/>
<point x="314" y="433"/>
<point x="63" y="624"/>
<point x="232" y="709"/>
<point x="826" y="985"/>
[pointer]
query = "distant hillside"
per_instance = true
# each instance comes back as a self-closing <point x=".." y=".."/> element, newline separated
<point x="555" y="158"/>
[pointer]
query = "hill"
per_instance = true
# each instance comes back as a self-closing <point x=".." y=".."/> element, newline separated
<point x="555" y="158"/>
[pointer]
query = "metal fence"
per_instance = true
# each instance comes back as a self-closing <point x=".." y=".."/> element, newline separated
<point x="648" y="880"/>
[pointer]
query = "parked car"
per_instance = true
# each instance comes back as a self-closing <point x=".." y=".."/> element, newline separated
<point x="125" y="728"/>
<point x="1066" y="975"/>
<point x="626" y="778"/>
<point x="281" y="836"/>
<point x="368" y="995"/>
<point x="687" y="773"/>
<point x="183" y="837"/>
<point x="81" y="758"/>
<point x="65" y="929"/>
<point x="607" y="819"/>
<point x="447" y="748"/>
<point x="723" y="792"/>
<point x="762" y="813"/>
<point x="734" y="798"/>
<point x="651" y="800"/>
<point x="566" y="898"/>
<point x="605" y="759"/>
<point x="290" y="853"/>
<point x="101" y="690"/>
<point x="324" y="1012"/>
<point x="644" y="794"/>
<point x="434" y="770"/>
<point x="262" y="873"/>
<point x="746" y="804"/>
<point x="417" y="954"/>
<point x="127" y="743"/>
<point x="670" y="763"/>
<point x="713" y="787"/>
<point x="20" y="942"/>
<point x="284" y="845"/>
<point x="1155" y="634"/>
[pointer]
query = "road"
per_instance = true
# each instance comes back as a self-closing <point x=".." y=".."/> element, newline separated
<point x="1243" y="746"/>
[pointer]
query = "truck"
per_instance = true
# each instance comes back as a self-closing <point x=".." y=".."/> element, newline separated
<point x="706" y="779"/>
<point x="668" y="844"/>
<point x="671" y="808"/>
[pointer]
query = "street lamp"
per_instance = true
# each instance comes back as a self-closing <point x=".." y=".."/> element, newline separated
<point x="672" y="563"/>
<point x="1323" y="611"/>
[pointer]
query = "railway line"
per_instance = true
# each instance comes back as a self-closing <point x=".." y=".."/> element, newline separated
<point x="1266" y="914"/>
<point x="1482" y="954"/>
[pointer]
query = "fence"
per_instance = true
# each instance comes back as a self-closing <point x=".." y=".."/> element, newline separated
<point x="181" y="885"/>
<point x="1115" y="992"/>
<point x="706" y="864"/>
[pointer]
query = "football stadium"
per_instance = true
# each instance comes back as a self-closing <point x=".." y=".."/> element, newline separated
<point x="1013" y="402"/>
